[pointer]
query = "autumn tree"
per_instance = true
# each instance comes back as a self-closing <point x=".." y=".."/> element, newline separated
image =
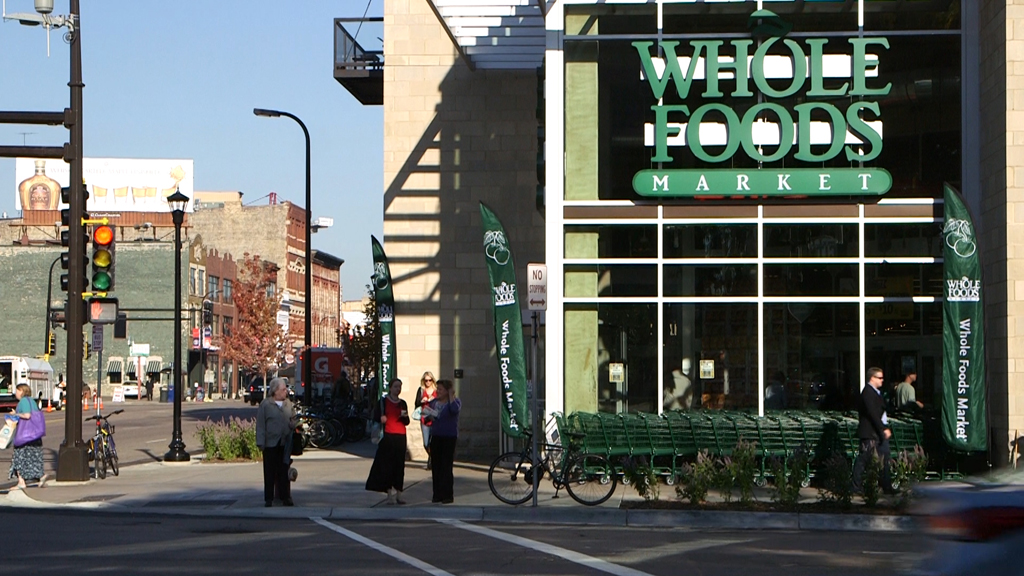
<point x="256" y="341"/>
<point x="364" y="346"/>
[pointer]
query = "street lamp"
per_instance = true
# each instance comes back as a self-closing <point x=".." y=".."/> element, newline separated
<point x="176" y="452"/>
<point x="307" y="365"/>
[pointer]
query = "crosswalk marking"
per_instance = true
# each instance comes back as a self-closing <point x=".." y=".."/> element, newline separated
<point x="576" y="557"/>
<point x="414" y="562"/>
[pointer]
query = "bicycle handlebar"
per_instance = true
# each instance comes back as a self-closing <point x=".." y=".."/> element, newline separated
<point x="98" y="417"/>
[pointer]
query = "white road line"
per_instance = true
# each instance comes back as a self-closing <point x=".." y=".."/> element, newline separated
<point x="582" y="559"/>
<point x="414" y="562"/>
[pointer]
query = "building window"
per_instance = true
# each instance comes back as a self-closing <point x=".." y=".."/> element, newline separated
<point x="192" y="274"/>
<point x="200" y="281"/>
<point x="215" y="325"/>
<point x="227" y="291"/>
<point x="212" y="284"/>
<point x="227" y="325"/>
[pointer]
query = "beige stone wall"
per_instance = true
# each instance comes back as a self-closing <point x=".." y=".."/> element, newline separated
<point x="1002" y="214"/>
<point x="452" y="138"/>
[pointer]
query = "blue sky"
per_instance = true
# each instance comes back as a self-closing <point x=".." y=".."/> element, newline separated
<point x="180" y="80"/>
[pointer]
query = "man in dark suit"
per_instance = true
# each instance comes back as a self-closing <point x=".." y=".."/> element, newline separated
<point x="873" y="430"/>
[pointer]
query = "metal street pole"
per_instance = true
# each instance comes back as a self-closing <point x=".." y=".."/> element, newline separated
<point x="72" y="460"/>
<point x="307" y="364"/>
<point x="49" y="300"/>
<point x="176" y="452"/>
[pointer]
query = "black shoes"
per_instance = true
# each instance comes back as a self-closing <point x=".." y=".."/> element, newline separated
<point x="289" y="502"/>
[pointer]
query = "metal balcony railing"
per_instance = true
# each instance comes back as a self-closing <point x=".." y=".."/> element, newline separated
<point x="360" y="71"/>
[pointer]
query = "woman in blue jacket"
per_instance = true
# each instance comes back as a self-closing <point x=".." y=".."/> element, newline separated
<point x="443" y="413"/>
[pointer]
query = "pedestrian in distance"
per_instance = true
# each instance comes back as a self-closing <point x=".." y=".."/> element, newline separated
<point x="906" y="396"/>
<point x="275" y="425"/>
<point x="873" y="431"/>
<point x="27" y="462"/>
<point x="149" y="389"/>
<point x="387" y="474"/>
<point x="426" y="392"/>
<point x="443" y="413"/>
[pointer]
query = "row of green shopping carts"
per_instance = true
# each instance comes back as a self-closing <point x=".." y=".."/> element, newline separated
<point x="673" y="438"/>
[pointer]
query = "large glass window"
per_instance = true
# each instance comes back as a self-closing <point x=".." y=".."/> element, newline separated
<point x="810" y="241"/>
<point x="711" y="280"/>
<point x="710" y="241"/>
<point x="812" y="355"/>
<point x="710" y="358"/>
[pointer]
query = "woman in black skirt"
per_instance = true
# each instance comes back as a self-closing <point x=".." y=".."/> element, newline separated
<point x="388" y="471"/>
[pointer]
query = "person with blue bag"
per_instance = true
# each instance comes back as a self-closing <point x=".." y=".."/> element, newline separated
<point x="27" y="463"/>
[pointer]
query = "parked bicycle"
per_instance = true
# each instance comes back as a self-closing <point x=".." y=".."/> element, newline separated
<point x="326" y="424"/>
<point x="588" y="478"/>
<point x="102" y="450"/>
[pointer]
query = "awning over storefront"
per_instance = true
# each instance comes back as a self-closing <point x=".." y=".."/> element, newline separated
<point x="153" y="366"/>
<point x="129" y="369"/>
<point x="113" y="366"/>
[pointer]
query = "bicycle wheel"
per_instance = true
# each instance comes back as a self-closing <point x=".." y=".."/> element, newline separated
<point x="589" y="479"/>
<point x="510" y="478"/>
<point x="111" y="457"/>
<point x="320" y="434"/>
<point x="99" y="461"/>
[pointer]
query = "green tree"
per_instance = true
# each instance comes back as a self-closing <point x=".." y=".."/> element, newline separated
<point x="364" y="346"/>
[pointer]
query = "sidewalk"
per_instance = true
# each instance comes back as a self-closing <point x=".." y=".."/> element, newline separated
<point x="331" y="485"/>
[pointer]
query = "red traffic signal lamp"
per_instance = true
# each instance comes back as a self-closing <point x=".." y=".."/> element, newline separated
<point x="103" y="310"/>
<point x="103" y="258"/>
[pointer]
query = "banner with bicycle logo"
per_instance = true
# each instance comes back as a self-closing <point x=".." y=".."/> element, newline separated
<point x="508" y="325"/>
<point x="964" y="425"/>
<point x="385" y="298"/>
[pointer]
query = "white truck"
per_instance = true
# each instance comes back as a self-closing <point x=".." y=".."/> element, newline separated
<point x="14" y="370"/>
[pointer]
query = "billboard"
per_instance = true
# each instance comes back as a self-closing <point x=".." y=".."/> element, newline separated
<point x="114" y="184"/>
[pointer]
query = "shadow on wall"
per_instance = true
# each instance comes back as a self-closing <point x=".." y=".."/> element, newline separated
<point x="480" y="146"/>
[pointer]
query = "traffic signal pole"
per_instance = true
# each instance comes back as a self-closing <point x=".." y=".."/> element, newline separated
<point x="72" y="460"/>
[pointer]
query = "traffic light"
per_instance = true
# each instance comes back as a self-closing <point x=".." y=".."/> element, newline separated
<point x="103" y="310"/>
<point x="51" y="344"/>
<point x="121" y="326"/>
<point x="207" y="313"/>
<point x="103" y="258"/>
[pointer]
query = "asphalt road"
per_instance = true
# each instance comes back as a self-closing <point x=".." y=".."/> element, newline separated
<point x="143" y="430"/>
<point x="76" y="542"/>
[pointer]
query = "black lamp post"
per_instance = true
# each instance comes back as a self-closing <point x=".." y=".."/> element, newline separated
<point x="176" y="452"/>
<point x="307" y="365"/>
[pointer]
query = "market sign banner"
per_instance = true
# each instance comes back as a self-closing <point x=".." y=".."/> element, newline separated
<point x="964" y="425"/>
<point x="814" y="131"/>
<point x="385" y="299"/>
<point x="763" y="182"/>
<point x="508" y="325"/>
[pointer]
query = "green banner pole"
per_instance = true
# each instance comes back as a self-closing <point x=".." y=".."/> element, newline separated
<point x="964" y="421"/>
<point x="508" y="325"/>
<point x="385" y="300"/>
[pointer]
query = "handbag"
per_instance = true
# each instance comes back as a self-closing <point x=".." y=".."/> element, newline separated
<point x="7" y="433"/>
<point x="30" y="430"/>
<point x="376" y="432"/>
<point x="417" y="414"/>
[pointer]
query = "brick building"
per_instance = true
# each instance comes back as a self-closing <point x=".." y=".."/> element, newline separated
<point x="326" y="303"/>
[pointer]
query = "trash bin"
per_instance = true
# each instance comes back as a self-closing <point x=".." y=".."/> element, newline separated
<point x="170" y="393"/>
<point x="163" y="394"/>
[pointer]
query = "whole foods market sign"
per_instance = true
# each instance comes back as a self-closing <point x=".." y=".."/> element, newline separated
<point x="830" y="122"/>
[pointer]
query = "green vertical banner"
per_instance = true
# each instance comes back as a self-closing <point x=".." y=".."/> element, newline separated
<point x="964" y="425"/>
<point x="385" y="299"/>
<point x="508" y="325"/>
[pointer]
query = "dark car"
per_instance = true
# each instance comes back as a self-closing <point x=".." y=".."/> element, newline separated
<point x="253" y="393"/>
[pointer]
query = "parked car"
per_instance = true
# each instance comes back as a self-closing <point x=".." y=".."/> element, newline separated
<point x="130" y="388"/>
<point x="978" y="525"/>
<point x="253" y="392"/>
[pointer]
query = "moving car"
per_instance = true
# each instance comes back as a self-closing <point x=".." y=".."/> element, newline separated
<point x="978" y="525"/>
<point x="130" y="388"/>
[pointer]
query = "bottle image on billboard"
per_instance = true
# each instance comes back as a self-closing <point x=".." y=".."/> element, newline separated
<point x="39" y="192"/>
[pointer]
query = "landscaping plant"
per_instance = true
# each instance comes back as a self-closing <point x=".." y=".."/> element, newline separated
<point x="638" y="473"/>
<point x="696" y="478"/>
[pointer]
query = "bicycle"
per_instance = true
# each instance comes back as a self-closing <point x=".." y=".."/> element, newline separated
<point x="102" y="450"/>
<point x="588" y="478"/>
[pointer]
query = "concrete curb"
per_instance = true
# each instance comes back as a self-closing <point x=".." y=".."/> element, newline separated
<point x="697" y="519"/>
